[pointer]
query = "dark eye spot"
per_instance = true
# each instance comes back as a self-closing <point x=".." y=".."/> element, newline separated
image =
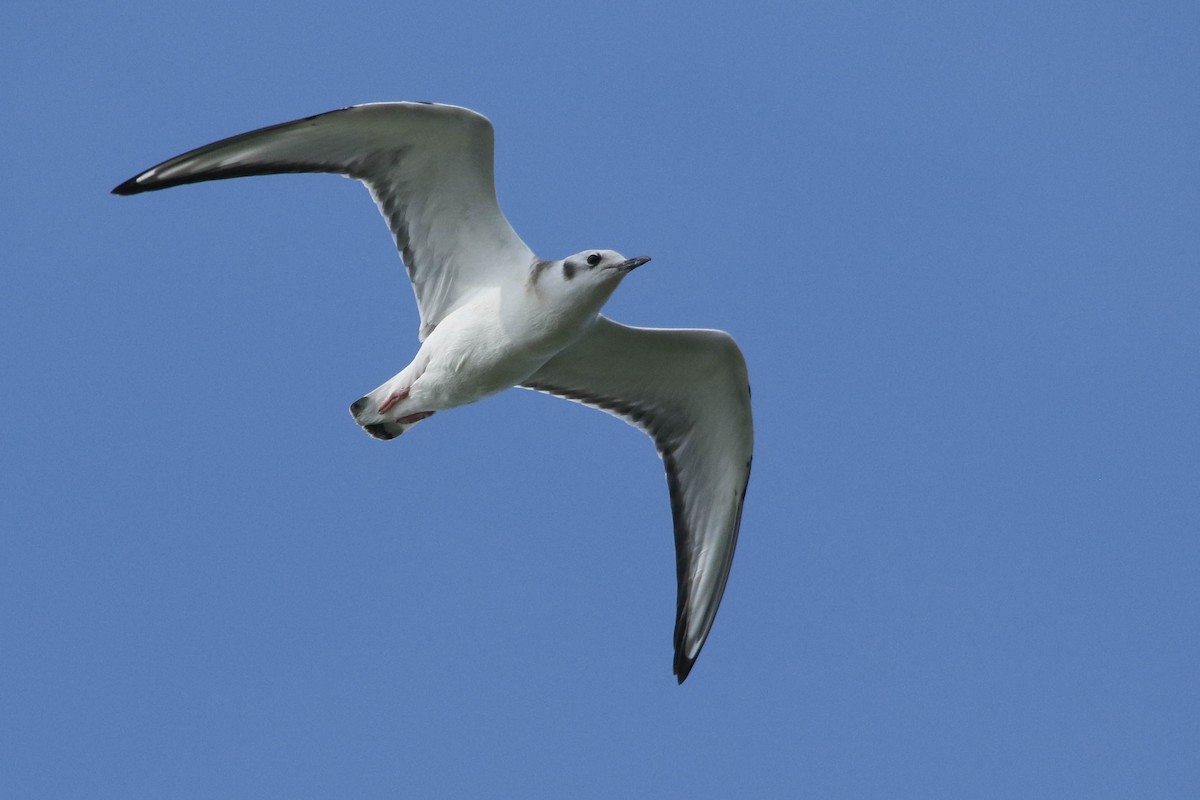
<point x="593" y="259"/>
<point x="569" y="270"/>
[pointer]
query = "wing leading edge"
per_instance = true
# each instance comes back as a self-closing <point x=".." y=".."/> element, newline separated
<point x="429" y="168"/>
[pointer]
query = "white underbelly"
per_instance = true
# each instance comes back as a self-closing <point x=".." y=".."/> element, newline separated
<point x="471" y="355"/>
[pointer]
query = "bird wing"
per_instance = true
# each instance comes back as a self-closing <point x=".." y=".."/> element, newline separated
<point x="428" y="166"/>
<point x="687" y="389"/>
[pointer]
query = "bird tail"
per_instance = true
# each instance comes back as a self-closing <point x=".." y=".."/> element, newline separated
<point x="366" y="413"/>
<point x="384" y="430"/>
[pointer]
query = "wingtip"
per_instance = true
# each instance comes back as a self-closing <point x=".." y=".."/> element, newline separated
<point x="128" y="187"/>
<point x="683" y="667"/>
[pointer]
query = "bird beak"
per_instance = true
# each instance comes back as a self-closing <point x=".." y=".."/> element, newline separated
<point x="632" y="264"/>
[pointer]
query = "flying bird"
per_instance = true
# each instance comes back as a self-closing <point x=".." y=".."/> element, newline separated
<point x="493" y="315"/>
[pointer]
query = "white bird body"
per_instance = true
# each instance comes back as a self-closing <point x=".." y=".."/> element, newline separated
<point x="494" y="316"/>
<point x="492" y="342"/>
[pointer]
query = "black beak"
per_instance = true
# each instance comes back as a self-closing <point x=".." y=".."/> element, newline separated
<point x="632" y="264"/>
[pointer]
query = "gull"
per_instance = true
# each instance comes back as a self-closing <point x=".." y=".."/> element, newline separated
<point x="493" y="315"/>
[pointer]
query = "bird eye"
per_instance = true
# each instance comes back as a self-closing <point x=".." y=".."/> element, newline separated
<point x="593" y="259"/>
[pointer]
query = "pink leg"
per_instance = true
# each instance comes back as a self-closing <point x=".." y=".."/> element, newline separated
<point x="391" y="401"/>
<point x="417" y="417"/>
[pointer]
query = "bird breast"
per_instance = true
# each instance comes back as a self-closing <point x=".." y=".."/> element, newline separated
<point x="493" y="343"/>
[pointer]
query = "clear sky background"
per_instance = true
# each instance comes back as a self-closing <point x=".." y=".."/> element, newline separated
<point x="959" y="244"/>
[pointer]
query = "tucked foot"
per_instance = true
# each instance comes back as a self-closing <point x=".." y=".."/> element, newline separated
<point x="373" y="419"/>
<point x="365" y="410"/>
<point x="392" y="399"/>
<point x="390" y="430"/>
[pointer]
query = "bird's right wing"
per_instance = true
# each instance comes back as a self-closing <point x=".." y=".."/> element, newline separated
<point x="687" y="389"/>
<point x="428" y="166"/>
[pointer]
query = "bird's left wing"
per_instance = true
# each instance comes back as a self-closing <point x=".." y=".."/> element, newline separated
<point x="687" y="389"/>
<point x="428" y="166"/>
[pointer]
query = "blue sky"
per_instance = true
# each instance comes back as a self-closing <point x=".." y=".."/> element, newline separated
<point x="957" y="242"/>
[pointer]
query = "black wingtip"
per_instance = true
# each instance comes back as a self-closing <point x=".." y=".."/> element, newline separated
<point x="683" y="667"/>
<point x="129" y="187"/>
